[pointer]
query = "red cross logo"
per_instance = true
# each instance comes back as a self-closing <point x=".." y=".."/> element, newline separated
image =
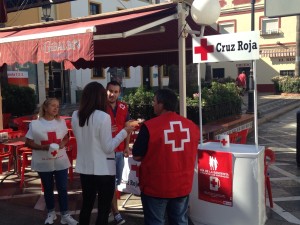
<point x="203" y="49"/>
<point x="51" y="139"/>
<point x="214" y="183"/>
<point x="177" y="136"/>
<point x="54" y="153"/>
<point x="136" y="169"/>
<point x="223" y="142"/>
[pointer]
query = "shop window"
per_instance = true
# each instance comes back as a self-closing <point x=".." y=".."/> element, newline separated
<point x="218" y="73"/>
<point x="290" y="73"/>
<point x="98" y="72"/>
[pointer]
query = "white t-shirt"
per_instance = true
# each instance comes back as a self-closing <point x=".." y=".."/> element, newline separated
<point x="42" y="130"/>
<point x="95" y="145"/>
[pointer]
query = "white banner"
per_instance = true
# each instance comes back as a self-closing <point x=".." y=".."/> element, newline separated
<point x="226" y="47"/>
<point x="17" y="74"/>
<point x="130" y="177"/>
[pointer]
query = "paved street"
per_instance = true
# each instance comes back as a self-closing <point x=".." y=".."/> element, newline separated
<point x="26" y="206"/>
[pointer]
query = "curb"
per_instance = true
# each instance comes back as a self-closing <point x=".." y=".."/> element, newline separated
<point x="278" y="113"/>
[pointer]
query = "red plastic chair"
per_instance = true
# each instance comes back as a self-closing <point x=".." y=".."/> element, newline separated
<point x="239" y="137"/>
<point x="269" y="158"/>
<point x="24" y="154"/>
<point x="71" y="149"/>
<point x="5" y="153"/>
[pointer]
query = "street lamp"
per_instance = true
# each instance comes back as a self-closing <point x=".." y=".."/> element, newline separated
<point x="251" y="88"/>
<point x="46" y="9"/>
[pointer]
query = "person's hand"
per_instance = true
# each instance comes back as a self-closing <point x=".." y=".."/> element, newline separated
<point x="114" y="128"/>
<point x="129" y="129"/>
<point x="126" y="152"/>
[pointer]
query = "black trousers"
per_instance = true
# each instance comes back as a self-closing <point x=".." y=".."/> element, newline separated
<point x="92" y="185"/>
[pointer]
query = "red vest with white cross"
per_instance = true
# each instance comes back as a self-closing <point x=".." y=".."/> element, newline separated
<point x="167" y="169"/>
<point x="119" y="120"/>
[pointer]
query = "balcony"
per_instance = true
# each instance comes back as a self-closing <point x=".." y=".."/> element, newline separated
<point x="273" y="32"/>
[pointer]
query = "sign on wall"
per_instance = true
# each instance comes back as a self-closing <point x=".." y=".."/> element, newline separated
<point x="19" y="78"/>
<point x="226" y="47"/>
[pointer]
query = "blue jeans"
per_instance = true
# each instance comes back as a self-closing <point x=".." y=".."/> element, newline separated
<point x="61" y="181"/>
<point x="156" y="208"/>
<point x="119" y="166"/>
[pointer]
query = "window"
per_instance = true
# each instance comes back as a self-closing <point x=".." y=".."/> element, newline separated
<point x="218" y="73"/>
<point x="226" y="28"/>
<point x="270" y="26"/>
<point x="290" y="73"/>
<point x="95" y="8"/>
<point x="119" y="74"/>
<point x="98" y="72"/>
<point x="166" y="70"/>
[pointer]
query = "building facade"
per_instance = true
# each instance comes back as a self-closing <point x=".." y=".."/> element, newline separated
<point x="277" y="49"/>
<point x="277" y="42"/>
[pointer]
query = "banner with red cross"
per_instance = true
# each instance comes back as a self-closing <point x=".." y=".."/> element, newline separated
<point x="226" y="47"/>
<point x="215" y="177"/>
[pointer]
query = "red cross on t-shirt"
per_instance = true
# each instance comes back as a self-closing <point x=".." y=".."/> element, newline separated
<point x="51" y="139"/>
<point x="204" y="49"/>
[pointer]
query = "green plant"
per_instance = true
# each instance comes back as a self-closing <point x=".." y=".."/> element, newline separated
<point x="286" y="84"/>
<point x="139" y="97"/>
<point x="17" y="100"/>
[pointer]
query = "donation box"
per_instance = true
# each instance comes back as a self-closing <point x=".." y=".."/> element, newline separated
<point x="228" y="186"/>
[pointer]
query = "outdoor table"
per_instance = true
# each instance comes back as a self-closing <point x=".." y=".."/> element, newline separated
<point x="14" y="144"/>
<point x="247" y="206"/>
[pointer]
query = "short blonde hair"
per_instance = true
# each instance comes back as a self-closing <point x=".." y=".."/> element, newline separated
<point x="43" y="107"/>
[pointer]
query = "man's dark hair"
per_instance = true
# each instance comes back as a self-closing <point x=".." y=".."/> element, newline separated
<point x="168" y="98"/>
<point x="114" y="83"/>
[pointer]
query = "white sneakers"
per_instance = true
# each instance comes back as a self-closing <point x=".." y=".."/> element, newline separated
<point x="65" y="219"/>
<point x="50" y="218"/>
<point x="68" y="219"/>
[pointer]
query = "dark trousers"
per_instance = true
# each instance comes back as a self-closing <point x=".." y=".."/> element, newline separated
<point x="92" y="185"/>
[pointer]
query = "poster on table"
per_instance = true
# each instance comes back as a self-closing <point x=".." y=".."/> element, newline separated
<point x="215" y="177"/>
<point x="130" y="177"/>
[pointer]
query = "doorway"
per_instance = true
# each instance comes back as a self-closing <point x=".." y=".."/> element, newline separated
<point x="58" y="82"/>
<point x="146" y="78"/>
<point x="247" y="72"/>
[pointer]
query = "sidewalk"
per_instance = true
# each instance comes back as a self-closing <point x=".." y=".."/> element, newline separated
<point x="26" y="206"/>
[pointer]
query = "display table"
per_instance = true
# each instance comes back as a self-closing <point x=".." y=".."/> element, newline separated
<point x="248" y="189"/>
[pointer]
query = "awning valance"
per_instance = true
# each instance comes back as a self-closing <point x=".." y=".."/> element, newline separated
<point x="140" y="36"/>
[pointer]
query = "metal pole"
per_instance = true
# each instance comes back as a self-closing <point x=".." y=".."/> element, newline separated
<point x="182" y="59"/>
<point x="200" y="95"/>
<point x="251" y="91"/>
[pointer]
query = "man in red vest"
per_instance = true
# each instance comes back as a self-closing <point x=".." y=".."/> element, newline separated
<point x="241" y="82"/>
<point x="167" y="147"/>
<point x="119" y="116"/>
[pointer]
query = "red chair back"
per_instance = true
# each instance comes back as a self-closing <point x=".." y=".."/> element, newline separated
<point x="239" y="137"/>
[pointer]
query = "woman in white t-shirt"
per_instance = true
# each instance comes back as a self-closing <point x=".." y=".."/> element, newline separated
<point x="50" y="129"/>
<point x="95" y="152"/>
